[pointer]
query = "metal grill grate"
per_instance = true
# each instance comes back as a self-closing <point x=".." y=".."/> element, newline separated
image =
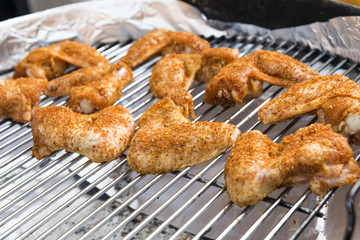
<point x="68" y="197"/>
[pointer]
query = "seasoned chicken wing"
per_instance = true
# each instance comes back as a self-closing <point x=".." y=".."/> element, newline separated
<point x="315" y="154"/>
<point x="213" y="59"/>
<point x="167" y="141"/>
<point x="147" y="47"/>
<point x="20" y="97"/>
<point x="162" y="42"/>
<point x="176" y="72"/>
<point x="242" y="79"/>
<point x="185" y="43"/>
<point x="61" y="86"/>
<point x="101" y="137"/>
<point x="92" y="88"/>
<point x="101" y="93"/>
<point x="173" y="73"/>
<point x="335" y="99"/>
<point x="51" y="62"/>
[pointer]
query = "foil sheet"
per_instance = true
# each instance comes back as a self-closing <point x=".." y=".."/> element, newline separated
<point x="112" y="20"/>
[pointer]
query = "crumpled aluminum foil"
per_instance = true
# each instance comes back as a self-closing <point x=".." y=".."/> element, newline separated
<point x="112" y="20"/>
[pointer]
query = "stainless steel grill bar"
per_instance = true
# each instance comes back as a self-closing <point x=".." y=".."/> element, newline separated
<point x="20" y="197"/>
<point x="216" y="218"/>
<point x="14" y="167"/>
<point x="266" y="214"/>
<point x="174" y="215"/>
<point x="82" y="192"/>
<point x="173" y="197"/>
<point x="33" y="213"/>
<point x="192" y="219"/>
<point x="28" y="180"/>
<point x="235" y="222"/>
<point x="93" y="198"/>
<point x="288" y="214"/>
<point x="96" y="227"/>
<point x="123" y="205"/>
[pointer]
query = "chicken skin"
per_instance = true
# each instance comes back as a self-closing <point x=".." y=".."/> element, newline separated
<point x="335" y="99"/>
<point x="173" y="73"/>
<point x="101" y="137"/>
<point x="176" y="72"/>
<point x="19" y="98"/>
<point x="213" y="59"/>
<point x="51" y="62"/>
<point x="92" y="88"/>
<point x="185" y="43"/>
<point x="315" y="154"/>
<point x="162" y="42"/>
<point x="167" y="141"/>
<point x="242" y="79"/>
<point x="61" y="86"/>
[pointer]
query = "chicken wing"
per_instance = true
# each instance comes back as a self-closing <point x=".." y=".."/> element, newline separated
<point x="51" y="62"/>
<point x="92" y="88"/>
<point x="101" y="137"/>
<point x="173" y="73"/>
<point x="185" y="43"/>
<point x="162" y="42"/>
<point x="242" y="79"/>
<point x="177" y="72"/>
<point x="102" y="92"/>
<point x="20" y="97"/>
<point x="61" y="86"/>
<point x="335" y="99"/>
<point x="213" y="59"/>
<point x="167" y="141"/>
<point x="257" y="166"/>
<point x="147" y="47"/>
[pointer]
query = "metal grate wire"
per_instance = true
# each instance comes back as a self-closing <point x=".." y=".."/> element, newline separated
<point x="66" y="196"/>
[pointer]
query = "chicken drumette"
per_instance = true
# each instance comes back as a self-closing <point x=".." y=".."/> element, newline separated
<point x="167" y="141"/>
<point x="257" y="166"/>
<point x="51" y="62"/>
<point x="20" y="97"/>
<point x="242" y="79"/>
<point x="162" y="42"/>
<point x="102" y="136"/>
<point x="335" y="99"/>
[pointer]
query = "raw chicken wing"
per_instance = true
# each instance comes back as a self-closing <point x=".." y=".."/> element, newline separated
<point x="167" y="141"/>
<point x="61" y="86"/>
<point x="51" y="62"/>
<point x="315" y="154"/>
<point x="176" y="72"/>
<point x="242" y="79"/>
<point x="335" y="99"/>
<point x="162" y="42"/>
<point x="213" y="59"/>
<point x="147" y="47"/>
<point x="93" y="88"/>
<point x="185" y="43"/>
<point x="173" y="73"/>
<point x="20" y="97"/>
<point x="101" y="137"/>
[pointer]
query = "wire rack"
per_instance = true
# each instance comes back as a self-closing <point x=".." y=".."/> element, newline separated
<point x="66" y="196"/>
